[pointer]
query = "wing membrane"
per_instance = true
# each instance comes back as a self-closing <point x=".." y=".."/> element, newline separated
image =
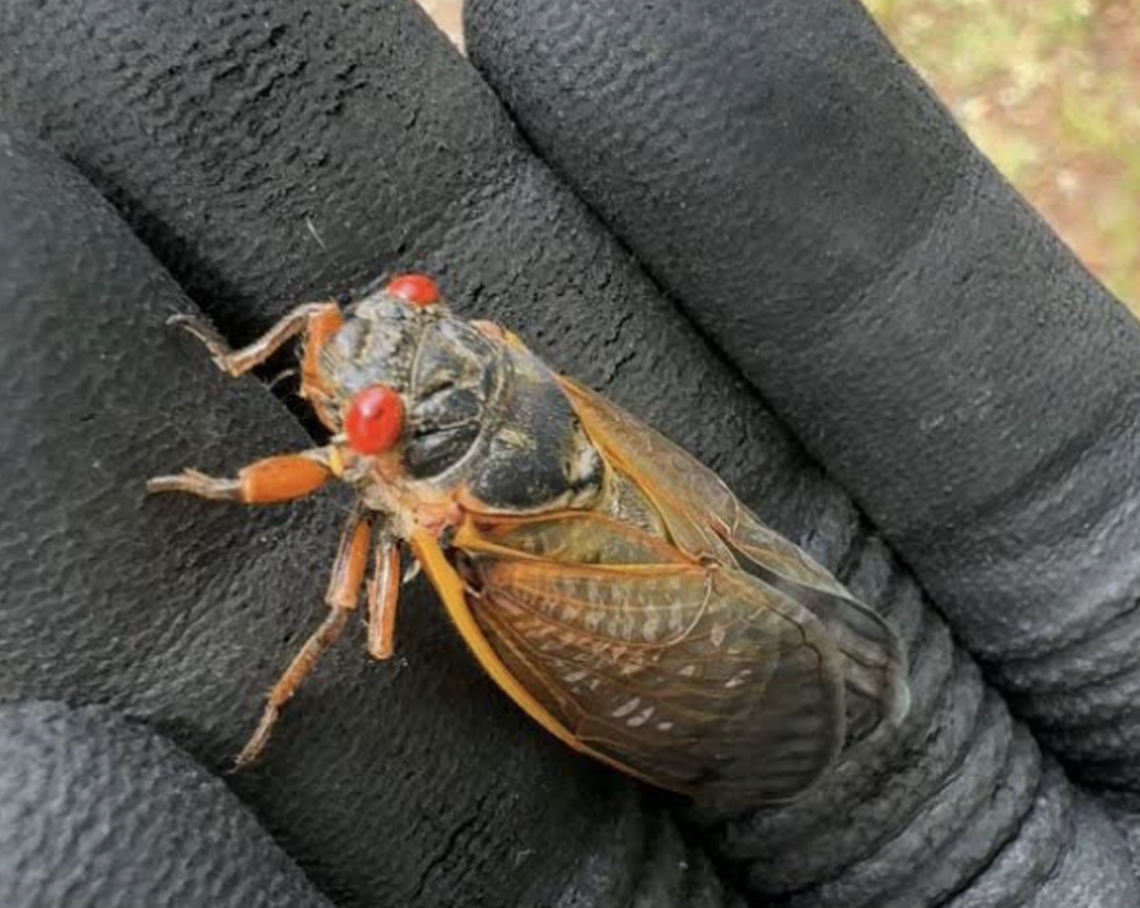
<point x="702" y="513"/>
<point x="669" y="632"/>
<point x="693" y="677"/>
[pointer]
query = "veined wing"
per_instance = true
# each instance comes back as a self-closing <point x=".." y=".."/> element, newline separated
<point x="703" y="515"/>
<point x="696" y="678"/>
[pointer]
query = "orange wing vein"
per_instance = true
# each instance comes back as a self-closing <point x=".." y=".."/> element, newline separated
<point x="699" y="679"/>
<point x="703" y="514"/>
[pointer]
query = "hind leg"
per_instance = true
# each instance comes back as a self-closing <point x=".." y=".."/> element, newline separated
<point x="341" y="598"/>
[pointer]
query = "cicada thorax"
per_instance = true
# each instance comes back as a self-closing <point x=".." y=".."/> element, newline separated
<point x="530" y="454"/>
<point x="481" y="419"/>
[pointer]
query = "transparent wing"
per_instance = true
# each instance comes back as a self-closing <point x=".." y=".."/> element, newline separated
<point x="698" y="679"/>
<point x="703" y="516"/>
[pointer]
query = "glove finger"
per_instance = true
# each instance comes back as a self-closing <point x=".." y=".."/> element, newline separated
<point x="97" y="811"/>
<point x="815" y="210"/>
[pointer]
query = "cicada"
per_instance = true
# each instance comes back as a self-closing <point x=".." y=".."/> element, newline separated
<point x="609" y="583"/>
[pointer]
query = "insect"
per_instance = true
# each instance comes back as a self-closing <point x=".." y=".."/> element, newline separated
<point x="609" y="583"/>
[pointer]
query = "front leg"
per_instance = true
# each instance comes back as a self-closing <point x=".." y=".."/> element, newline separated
<point x="280" y="478"/>
<point x="309" y="319"/>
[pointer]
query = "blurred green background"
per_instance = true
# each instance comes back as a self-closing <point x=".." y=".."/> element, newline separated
<point x="1048" y="89"/>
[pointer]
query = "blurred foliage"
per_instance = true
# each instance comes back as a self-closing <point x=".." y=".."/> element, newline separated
<point x="1050" y="91"/>
<point x="448" y="15"/>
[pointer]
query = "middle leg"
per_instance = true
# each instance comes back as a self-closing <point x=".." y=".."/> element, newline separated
<point x="383" y="595"/>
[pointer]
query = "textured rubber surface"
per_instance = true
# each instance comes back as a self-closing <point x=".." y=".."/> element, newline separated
<point x="95" y="811"/>
<point x="412" y="783"/>
<point x="801" y="194"/>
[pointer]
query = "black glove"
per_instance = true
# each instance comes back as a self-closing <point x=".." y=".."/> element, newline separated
<point x="97" y="811"/>
<point x="271" y="154"/>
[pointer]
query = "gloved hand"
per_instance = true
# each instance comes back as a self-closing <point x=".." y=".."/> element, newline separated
<point x="267" y="154"/>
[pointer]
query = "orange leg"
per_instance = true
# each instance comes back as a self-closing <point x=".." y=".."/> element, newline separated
<point x="320" y="328"/>
<point x="383" y="596"/>
<point x="280" y="478"/>
<point x="237" y="362"/>
<point x="315" y="322"/>
<point x="341" y="598"/>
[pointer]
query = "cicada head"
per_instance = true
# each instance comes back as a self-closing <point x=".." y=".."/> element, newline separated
<point x="402" y="371"/>
<point x="379" y="340"/>
<point x="418" y="395"/>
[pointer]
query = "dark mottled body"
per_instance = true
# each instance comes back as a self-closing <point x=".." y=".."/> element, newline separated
<point x="605" y="568"/>
<point x="612" y="586"/>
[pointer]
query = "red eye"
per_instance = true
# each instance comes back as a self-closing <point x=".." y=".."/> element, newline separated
<point x="374" y="419"/>
<point x="415" y="289"/>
